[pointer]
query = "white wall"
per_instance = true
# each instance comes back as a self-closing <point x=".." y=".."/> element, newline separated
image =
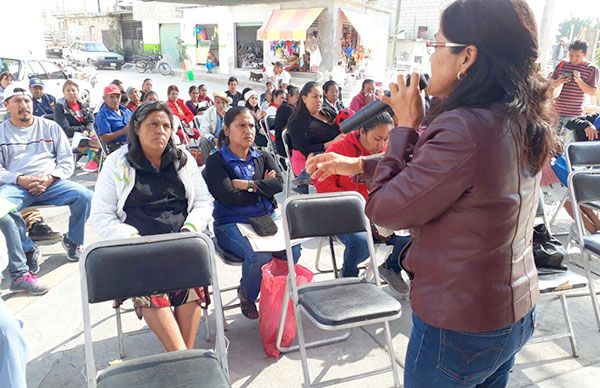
<point x="26" y="24"/>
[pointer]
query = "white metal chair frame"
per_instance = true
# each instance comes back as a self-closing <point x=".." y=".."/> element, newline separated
<point x="292" y="293"/>
<point x="220" y="342"/>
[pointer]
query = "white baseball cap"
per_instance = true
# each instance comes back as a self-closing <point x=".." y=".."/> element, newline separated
<point x="16" y="90"/>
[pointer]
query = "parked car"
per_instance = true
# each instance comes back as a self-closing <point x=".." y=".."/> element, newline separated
<point x="93" y="53"/>
<point x="25" y="69"/>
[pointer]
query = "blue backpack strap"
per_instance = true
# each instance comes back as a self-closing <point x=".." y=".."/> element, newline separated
<point x="560" y="169"/>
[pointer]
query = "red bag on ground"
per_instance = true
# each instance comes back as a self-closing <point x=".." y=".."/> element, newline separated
<point x="272" y="291"/>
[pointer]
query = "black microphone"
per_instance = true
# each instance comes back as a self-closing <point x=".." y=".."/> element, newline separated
<point x="360" y="118"/>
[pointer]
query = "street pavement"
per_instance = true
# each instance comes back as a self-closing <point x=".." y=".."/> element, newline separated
<point x="54" y="328"/>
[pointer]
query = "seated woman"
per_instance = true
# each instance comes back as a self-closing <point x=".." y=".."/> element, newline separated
<point x="311" y="129"/>
<point x="278" y="99"/>
<point x="134" y="99"/>
<point x="152" y="187"/>
<point x="267" y="100"/>
<point x="74" y="115"/>
<point x="193" y="103"/>
<point x="368" y="140"/>
<point x="182" y="112"/>
<point x="331" y="97"/>
<point x="243" y="182"/>
<point x="251" y="102"/>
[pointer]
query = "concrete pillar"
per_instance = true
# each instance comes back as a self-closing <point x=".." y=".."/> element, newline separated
<point x="330" y="32"/>
<point x="546" y="36"/>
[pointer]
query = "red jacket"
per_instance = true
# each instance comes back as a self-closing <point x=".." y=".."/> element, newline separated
<point x="187" y="116"/>
<point x="350" y="146"/>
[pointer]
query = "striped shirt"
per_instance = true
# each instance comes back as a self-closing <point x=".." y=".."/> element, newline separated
<point x="570" y="100"/>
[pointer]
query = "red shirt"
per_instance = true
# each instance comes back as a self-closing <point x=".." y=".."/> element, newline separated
<point x="570" y="100"/>
<point x="76" y="107"/>
<point x="131" y="106"/>
<point x="181" y="110"/>
<point x="350" y="146"/>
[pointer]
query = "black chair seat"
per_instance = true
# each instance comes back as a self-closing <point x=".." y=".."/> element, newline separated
<point x="592" y="243"/>
<point x="188" y="368"/>
<point x="340" y="304"/>
<point x="226" y="256"/>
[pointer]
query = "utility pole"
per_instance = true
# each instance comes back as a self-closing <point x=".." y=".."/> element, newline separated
<point x="99" y="8"/>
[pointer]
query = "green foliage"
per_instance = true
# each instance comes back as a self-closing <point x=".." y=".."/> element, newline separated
<point x="181" y="47"/>
<point x="597" y="57"/>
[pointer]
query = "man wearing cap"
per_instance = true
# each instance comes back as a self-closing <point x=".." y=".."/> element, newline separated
<point x="112" y="120"/>
<point x="35" y="162"/>
<point x="282" y="76"/>
<point x="212" y="123"/>
<point x="43" y="103"/>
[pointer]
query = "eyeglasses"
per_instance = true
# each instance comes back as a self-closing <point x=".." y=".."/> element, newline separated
<point x="432" y="45"/>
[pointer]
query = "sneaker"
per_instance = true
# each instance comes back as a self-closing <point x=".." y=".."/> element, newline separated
<point x="91" y="166"/>
<point x="40" y="231"/>
<point x="394" y="280"/>
<point x="30" y="284"/>
<point x="73" y="250"/>
<point x="32" y="261"/>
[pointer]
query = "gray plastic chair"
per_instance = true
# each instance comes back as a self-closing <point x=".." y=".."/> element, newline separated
<point x="121" y="269"/>
<point x="337" y="304"/>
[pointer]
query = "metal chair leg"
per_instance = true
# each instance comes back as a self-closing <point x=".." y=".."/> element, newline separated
<point x="206" y="324"/>
<point x="587" y="258"/>
<point x="565" y="308"/>
<point x="390" y="349"/>
<point x="120" y="332"/>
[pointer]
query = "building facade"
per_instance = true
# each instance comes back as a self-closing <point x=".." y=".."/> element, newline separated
<point x="354" y="32"/>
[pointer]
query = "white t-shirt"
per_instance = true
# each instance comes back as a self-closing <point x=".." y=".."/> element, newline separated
<point x="285" y="78"/>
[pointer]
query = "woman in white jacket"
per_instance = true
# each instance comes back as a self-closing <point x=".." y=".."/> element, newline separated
<point x="153" y="187"/>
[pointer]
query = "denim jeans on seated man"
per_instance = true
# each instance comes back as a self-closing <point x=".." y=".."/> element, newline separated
<point x="231" y="239"/>
<point x="444" y="358"/>
<point x="14" y="354"/>
<point x="62" y="192"/>
<point x="357" y="250"/>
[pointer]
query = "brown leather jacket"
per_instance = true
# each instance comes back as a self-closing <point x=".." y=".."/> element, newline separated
<point x="470" y="204"/>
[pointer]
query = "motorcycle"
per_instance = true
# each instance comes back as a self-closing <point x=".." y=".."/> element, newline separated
<point x="152" y="63"/>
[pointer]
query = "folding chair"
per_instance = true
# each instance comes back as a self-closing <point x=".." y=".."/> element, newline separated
<point x="121" y="269"/>
<point x="581" y="155"/>
<point x="266" y="130"/>
<point x="337" y="304"/>
<point x="555" y="285"/>
<point x="584" y="190"/>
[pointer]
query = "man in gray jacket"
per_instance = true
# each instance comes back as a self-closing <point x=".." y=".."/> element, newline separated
<point x="35" y="162"/>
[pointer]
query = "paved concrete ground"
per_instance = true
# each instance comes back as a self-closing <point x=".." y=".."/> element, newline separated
<point x="53" y="328"/>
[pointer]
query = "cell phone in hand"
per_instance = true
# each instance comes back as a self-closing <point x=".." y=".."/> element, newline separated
<point x="566" y="74"/>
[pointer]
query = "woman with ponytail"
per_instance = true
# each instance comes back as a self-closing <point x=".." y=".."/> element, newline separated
<point x="467" y="187"/>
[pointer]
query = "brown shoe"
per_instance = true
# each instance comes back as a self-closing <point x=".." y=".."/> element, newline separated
<point x="248" y="306"/>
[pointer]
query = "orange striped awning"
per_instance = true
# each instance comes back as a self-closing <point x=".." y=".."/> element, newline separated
<point x="288" y="24"/>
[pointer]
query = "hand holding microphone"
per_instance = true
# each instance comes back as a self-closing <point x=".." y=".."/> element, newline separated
<point x="406" y="102"/>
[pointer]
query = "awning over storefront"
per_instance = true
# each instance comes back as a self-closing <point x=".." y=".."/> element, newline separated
<point x="288" y="24"/>
<point x="364" y="25"/>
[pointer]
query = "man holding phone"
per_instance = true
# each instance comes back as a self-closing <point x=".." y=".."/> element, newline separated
<point x="577" y="77"/>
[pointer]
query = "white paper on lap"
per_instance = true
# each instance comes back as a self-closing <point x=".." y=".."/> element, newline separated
<point x="272" y="243"/>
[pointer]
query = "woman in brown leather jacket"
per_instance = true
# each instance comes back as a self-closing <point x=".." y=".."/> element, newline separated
<point x="467" y="188"/>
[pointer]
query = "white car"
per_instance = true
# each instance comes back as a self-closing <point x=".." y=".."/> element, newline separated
<point x="93" y="53"/>
<point x="53" y="77"/>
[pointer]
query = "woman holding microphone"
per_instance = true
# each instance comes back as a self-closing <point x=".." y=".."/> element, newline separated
<point x="467" y="188"/>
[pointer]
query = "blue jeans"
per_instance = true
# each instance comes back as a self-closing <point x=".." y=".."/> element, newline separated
<point x="445" y="358"/>
<point x="357" y="251"/>
<point x="13" y="357"/>
<point x="17" y="262"/>
<point x="231" y="239"/>
<point x="62" y="192"/>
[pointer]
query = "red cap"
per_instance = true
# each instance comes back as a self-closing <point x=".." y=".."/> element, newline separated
<point x="111" y="89"/>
